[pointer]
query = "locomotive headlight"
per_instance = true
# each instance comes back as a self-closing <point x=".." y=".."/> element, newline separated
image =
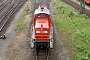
<point x="37" y="31"/>
<point x="45" y="31"/>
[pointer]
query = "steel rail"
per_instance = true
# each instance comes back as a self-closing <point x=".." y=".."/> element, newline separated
<point x="10" y="13"/>
<point x="42" y="54"/>
<point x="4" y="4"/>
<point x="7" y="16"/>
<point x="7" y="12"/>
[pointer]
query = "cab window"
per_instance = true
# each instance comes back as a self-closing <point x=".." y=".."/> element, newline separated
<point x="46" y="15"/>
<point x="37" y="15"/>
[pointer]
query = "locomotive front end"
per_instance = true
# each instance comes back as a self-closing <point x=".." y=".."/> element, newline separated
<point x="42" y="31"/>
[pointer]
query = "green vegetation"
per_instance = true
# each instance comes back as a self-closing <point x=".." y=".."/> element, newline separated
<point x="20" y="22"/>
<point x="26" y="9"/>
<point x="76" y="28"/>
<point x="19" y="25"/>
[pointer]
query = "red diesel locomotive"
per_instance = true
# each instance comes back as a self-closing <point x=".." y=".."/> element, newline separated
<point x="42" y="30"/>
<point x="87" y="2"/>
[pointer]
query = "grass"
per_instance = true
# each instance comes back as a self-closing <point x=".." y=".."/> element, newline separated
<point x="76" y="28"/>
<point x="20" y="22"/>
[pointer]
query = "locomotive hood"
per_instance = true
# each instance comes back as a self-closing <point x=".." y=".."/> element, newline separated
<point x="42" y="23"/>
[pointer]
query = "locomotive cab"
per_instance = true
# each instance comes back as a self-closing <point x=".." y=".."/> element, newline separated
<point x="42" y="31"/>
<point x="87" y="2"/>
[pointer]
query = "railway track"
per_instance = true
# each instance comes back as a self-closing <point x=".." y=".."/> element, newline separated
<point x="58" y="52"/>
<point x="4" y="4"/>
<point x="5" y="19"/>
<point x="76" y="6"/>
<point x="39" y="54"/>
<point x="5" y="8"/>
<point x="42" y="54"/>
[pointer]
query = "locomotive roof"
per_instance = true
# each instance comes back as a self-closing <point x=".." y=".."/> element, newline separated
<point x="39" y="10"/>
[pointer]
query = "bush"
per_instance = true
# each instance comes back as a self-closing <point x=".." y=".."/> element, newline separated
<point x="83" y="15"/>
<point x="81" y="48"/>
<point x="70" y="13"/>
<point x="19" y="25"/>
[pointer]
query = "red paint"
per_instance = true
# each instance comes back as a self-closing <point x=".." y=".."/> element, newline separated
<point x="42" y="25"/>
<point x="87" y="1"/>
